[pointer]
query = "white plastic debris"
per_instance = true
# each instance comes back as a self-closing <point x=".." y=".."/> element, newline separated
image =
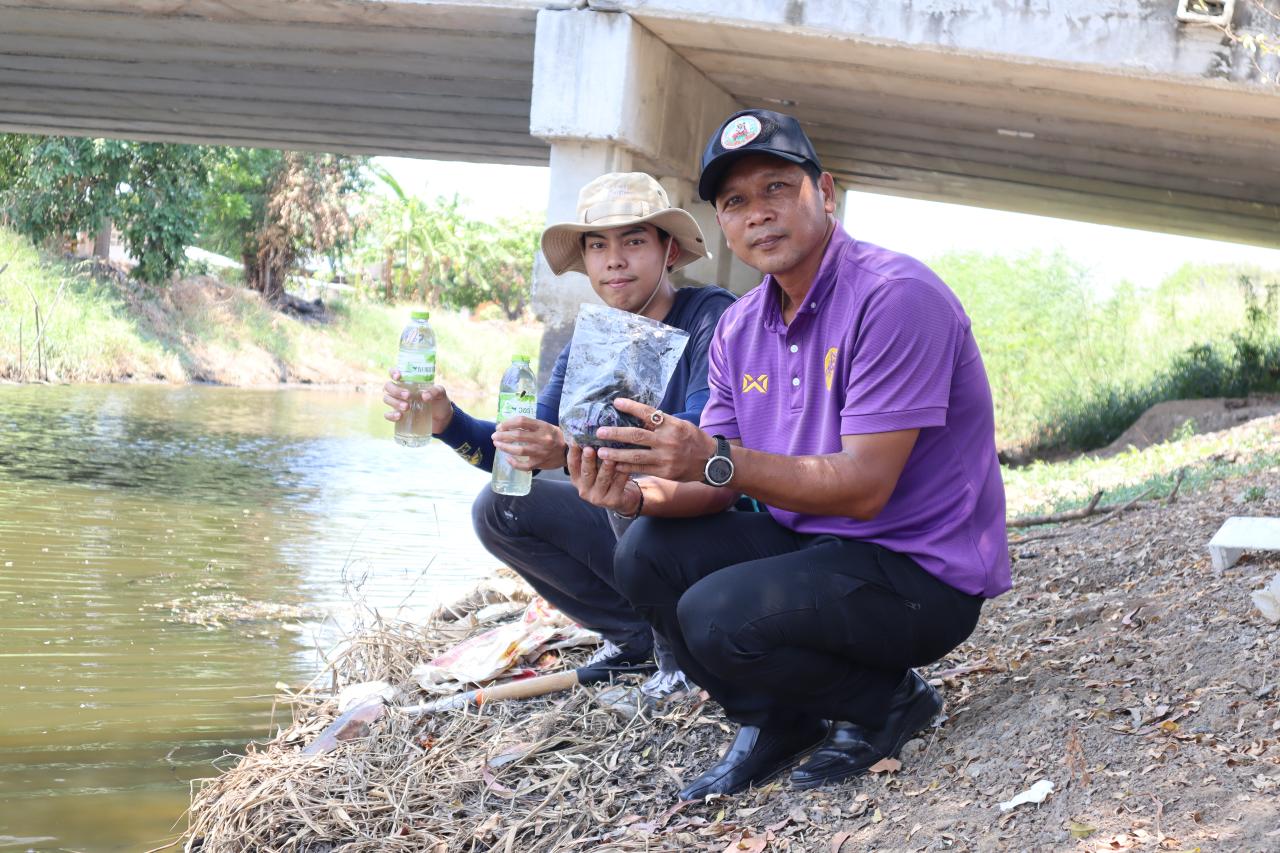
<point x="1267" y="599"/>
<point x="365" y="691"/>
<point x="1037" y="793"/>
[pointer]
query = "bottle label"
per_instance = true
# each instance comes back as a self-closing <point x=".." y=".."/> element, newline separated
<point x="419" y="367"/>
<point x="512" y="403"/>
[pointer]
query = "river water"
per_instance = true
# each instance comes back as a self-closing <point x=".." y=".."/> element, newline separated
<point x="116" y="502"/>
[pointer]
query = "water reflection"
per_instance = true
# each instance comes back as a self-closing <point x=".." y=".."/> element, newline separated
<point x="116" y="500"/>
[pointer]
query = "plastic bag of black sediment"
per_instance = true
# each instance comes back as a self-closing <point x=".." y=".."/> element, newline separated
<point x="615" y="354"/>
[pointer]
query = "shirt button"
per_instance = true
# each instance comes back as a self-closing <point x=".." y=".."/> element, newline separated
<point x="795" y="380"/>
<point x="795" y="348"/>
<point x="813" y="305"/>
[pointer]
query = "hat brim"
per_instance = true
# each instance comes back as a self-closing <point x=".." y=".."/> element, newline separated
<point x="562" y="242"/>
<point x="714" y="171"/>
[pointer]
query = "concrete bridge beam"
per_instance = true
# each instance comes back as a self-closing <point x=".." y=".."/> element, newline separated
<point x="609" y="96"/>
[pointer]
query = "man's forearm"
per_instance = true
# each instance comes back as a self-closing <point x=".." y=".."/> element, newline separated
<point x="833" y="484"/>
<point x="669" y="499"/>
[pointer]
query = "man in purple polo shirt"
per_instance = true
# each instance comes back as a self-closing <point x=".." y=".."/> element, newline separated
<point x="848" y="395"/>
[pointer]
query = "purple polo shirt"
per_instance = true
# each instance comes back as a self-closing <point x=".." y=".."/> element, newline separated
<point x="879" y="344"/>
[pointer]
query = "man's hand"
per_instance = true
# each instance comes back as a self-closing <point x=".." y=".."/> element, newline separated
<point x="396" y="397"/>
<point x="530" y="443"/>
<point x="670" y="448"/>
<point x="600" y="483"/>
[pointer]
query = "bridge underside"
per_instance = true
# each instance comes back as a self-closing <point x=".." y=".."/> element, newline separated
<point x="1177" y="135"/>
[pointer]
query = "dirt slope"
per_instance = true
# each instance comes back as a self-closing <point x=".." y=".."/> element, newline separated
<point x="1163" y="420"/>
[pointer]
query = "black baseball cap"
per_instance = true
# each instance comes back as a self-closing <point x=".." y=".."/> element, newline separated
<point x="752" y="132"/>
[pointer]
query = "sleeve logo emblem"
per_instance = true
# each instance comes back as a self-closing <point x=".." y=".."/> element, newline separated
<point x="829" y="366"/>
<point x="755" y="383"/>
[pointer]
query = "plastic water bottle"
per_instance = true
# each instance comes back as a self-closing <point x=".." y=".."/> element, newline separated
<point x="417" y="366"/>
<point x="517" y="395"/>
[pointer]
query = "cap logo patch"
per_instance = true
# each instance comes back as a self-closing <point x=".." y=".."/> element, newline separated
<point x="739" y="132"/>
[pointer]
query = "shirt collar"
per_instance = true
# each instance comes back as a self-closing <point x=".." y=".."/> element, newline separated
<point x="823" y="282"/>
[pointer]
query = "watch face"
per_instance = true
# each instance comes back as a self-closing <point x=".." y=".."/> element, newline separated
<point x="719" y="470"/>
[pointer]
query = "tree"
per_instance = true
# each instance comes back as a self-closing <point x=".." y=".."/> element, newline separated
<point x="275" y="209"/>
<point x="58" y="186"/>
<point x="435" y="253"/>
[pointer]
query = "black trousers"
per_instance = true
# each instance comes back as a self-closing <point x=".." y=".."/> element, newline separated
<point x="563" y="546"/>
<point x="780" y="626"/>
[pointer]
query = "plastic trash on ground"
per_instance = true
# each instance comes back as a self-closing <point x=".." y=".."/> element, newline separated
<point x="503" y="650"/>
<point x="1267" y="599"/>
<point x="1037" y="793"/>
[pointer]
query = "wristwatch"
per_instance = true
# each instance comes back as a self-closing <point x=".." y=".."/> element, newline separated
<point x="719" y="469"/>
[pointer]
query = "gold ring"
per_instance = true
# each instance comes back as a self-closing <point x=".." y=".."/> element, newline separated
<point x="656" y="418"/>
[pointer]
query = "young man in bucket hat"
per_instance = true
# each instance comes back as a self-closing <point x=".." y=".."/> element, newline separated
<point x="849" y="396"/>
<point x="627" y="239"/>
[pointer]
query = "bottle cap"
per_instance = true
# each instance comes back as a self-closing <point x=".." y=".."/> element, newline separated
<point x="420" y="315"/>
<point x="515" y="359"/>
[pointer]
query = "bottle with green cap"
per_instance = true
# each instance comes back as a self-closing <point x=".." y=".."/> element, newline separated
<point x="417" y="366"/>
<point x="517" y="395"/>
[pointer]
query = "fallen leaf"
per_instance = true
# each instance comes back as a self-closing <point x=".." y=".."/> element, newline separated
<point x="1080" y="830"/>
<point x="491" y="782"/>
<point x="876" y="816"/>
<point x="485" y="830"/>
<point x="838" y="840"/>
<point x="747" y="845"/>
<point x="886" y="765"/>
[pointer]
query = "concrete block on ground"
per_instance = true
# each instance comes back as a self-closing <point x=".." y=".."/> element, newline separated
<point x="1239" y="534"/>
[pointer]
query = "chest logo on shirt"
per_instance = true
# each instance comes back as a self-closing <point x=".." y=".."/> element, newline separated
<point x="829" y="366"/>
<point x="755" y="383"/>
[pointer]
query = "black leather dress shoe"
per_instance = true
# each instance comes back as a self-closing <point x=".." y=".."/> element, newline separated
<point x="851" y="750"/>
<point x="755" y="756"/>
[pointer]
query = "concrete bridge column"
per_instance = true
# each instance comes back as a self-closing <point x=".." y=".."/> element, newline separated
<point x="608" y="96"/>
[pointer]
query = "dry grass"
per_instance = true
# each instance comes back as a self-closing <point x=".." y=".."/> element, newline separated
<point x="538" y="775"/>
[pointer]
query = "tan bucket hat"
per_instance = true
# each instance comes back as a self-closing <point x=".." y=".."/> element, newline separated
<point x="614" y="200"/>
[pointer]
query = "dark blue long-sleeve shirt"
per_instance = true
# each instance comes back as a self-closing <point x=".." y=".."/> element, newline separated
<point x="696" y="311"/>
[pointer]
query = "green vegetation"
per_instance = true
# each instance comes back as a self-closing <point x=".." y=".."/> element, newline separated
<point x="99" y="329"/>
<point x="85" y="329"/>
<point x="1049" y="487"/>
<point x="431" y="252"/>
<point x="53" y="187"/>
<point x="273" y="210"/>
<point x="281" y="214"/>
<point x="1070" y="370"/>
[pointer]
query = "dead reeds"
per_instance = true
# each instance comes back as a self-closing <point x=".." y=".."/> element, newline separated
<point x="557" y="773"/>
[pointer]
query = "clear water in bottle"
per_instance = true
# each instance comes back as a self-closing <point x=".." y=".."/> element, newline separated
<point x="517" y="395"/>
<point x="417" y="366"/>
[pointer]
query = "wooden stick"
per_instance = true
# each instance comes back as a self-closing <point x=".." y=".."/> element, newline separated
<point x="1114" y="512"/>
<point x="1072" y="515"/>
<point x="356" y="721"/>
<point x="1055" y="518"/>
<point x="39" y="345"/>
<point x="1177" y="484"/>
<point x="524" y="688"/>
